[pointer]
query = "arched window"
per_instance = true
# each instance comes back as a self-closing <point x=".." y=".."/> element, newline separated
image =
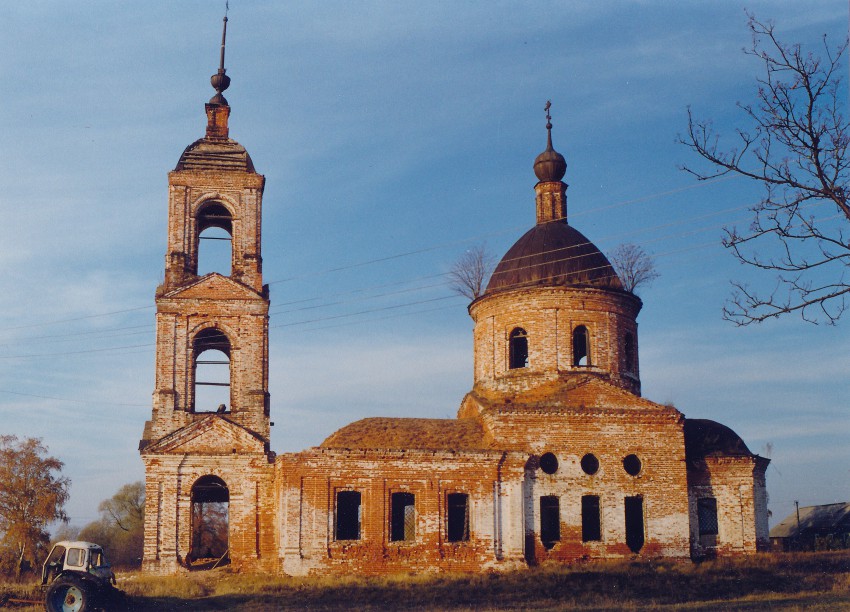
<point x="215" y="240"/>
<point x="629" y="348"/>
<point x="518" y="348"/>
<point x="211" y="371"/>
<point x="581" y="346"/>
<point x="210" y="521"/>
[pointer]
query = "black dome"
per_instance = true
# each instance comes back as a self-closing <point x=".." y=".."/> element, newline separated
<point x="704" y="438"/>
<point x="553" y="253"/>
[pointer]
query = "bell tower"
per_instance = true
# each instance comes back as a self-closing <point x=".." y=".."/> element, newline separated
<point x="214" y="185"/>
<point x="208" y="437"/>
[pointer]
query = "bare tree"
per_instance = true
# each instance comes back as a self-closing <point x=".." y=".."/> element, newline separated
<point x="470" y="273"/>
<point x="795" y="144"/>
<point x="634" y="266"/>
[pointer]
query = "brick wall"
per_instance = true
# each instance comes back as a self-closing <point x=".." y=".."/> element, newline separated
<point x="549" y="316"/>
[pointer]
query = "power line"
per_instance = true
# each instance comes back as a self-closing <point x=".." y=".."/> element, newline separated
<point x="386" y="258"/>
<point x="100" y="350"/>
<point x="65" y="399"/>
<point x="58" y="321"/>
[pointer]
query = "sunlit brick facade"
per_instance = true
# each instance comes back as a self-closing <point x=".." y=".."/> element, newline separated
<point x="554" y="454"/>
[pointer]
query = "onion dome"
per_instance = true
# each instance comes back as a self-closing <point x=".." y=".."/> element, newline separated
<point x="550" y="165"/>
<point x="553" y="254"/>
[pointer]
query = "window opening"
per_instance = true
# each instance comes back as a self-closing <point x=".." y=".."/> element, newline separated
<point x="581" y="346"/>
<point x="403" y="517"/>
<point x="215" y="240"/>
<point x="210" y="522"/>
<point x="97" y="559"/>
<point x="629" y="347"/>
<point x="591" y="526"/>
<point x="634" y="523"/>
<point x="707" y="515"/>
<point x="549" y="463"/>
<point x="211" y="371"/>
<point x="348" y="516"/>
<point x="518" y="344"/>
<point x="590" y="464"/>
<point x="457" y="517"/>
<point x="550" y="520"/>
<point x="76" y="557"/>
<point x="632" y="465"/>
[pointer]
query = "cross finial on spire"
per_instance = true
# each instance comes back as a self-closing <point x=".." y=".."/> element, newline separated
<point x="224" y="35"/>
<point x="220" y="81"/>
<point x="548" y="116"/>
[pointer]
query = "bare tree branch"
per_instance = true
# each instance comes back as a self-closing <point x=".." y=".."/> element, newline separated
<point x="796" y="146"/>
<point x="470" y="273"/>
<point x="634" y="266"/>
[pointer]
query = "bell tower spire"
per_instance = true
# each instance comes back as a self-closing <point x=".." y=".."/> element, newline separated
<point x="218" y="110"/>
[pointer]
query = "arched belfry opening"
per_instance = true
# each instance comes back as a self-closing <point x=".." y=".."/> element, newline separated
<point x="211" y="371"/>
<point x="215" y="239"/>
<point x="210" y="523"/>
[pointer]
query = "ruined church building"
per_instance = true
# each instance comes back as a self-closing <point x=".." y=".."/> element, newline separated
<point x="554" y="454"/>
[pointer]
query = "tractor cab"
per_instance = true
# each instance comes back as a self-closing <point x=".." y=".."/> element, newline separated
<point x="76" y="557"/>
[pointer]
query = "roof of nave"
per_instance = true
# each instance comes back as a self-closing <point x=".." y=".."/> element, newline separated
<point x="704" y="438"/>
<point x="410" y="433"/>
<point x="567" y="392"/>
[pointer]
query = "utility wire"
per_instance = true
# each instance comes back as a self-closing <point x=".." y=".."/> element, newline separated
<point x="65" y="399"/>
<point x="382" y="259"/>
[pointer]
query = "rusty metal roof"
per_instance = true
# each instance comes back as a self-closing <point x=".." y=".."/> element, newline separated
<point x="553" y="253"/>
<point x="215" y="154"/>
<point x="406" y="433"/>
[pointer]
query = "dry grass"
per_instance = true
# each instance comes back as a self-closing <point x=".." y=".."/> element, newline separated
<point x="815" y="581"/>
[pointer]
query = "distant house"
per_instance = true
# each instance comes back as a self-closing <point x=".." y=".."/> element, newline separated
<point x="818" y="527"/>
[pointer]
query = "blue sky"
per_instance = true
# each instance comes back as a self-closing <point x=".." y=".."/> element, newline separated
<point x="392" y="136"/>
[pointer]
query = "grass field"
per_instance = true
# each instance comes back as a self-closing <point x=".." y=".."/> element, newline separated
<point x="816" y="581"/>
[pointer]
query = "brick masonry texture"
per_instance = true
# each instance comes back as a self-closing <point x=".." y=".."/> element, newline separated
<point x="539" y="465"/>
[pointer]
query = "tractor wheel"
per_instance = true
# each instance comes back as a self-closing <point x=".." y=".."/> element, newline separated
<point x="68" y="594"/>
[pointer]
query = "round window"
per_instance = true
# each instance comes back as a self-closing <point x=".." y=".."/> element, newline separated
<point x="549" y="463"/>
<point x="632" y="465"/>
<point x="590" y="464"/>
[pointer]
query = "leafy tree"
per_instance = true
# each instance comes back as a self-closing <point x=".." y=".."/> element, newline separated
<point x="469" y="274"/>
<point x="634" y="266"/>
<point x="795" y="144"/>
<point x="120" y="528"/>
<point x="33" y="493"/>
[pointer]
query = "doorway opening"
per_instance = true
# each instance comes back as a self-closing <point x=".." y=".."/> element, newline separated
<point x="210" y="524"/>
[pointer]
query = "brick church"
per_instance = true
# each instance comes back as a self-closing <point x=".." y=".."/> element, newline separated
<point x="554" y="454"/>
